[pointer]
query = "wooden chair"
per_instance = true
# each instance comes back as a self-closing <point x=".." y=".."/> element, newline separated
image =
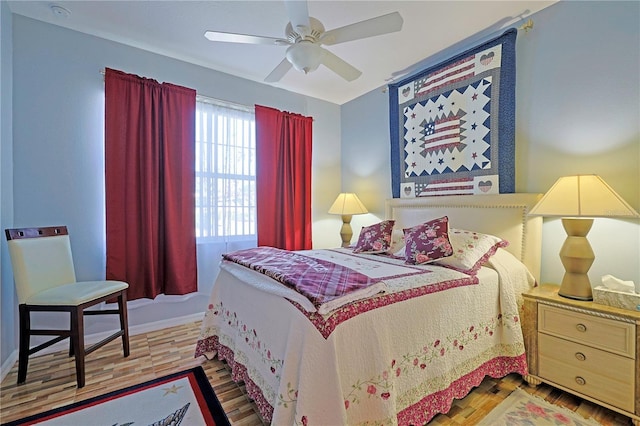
<point x="45" y="281"/>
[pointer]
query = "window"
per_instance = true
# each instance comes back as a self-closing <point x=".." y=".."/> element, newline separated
<point x="225" y="171"/>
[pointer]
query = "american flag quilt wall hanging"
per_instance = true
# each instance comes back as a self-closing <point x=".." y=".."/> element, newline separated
<point x="453" y="124"/>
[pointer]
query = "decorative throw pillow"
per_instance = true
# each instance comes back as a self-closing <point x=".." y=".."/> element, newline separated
<point x="427" y="242"/>
<point x="471" y="250"/>
<point x="375" y="238"/>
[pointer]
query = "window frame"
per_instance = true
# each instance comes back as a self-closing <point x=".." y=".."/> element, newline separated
<point x="211" y="171"/>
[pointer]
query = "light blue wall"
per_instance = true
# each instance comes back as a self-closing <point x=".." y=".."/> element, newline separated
<point x="7" y="292"/>
<point x="58" y="138"/>
<point x="577" y="112"/>
<point x="367" y="153"/>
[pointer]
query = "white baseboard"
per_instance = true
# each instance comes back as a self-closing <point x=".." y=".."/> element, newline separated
<point x="96" y="337"/>
<point x="8" y="364"/>
<point x="159" y="325"/>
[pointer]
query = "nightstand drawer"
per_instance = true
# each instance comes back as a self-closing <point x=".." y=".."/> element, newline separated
<point x="617" y="368"/>
<point x="605" y="389"/>
<point x="603" y="333"/>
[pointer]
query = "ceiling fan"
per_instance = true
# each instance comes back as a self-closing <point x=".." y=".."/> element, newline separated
<point x="305" y="36"/>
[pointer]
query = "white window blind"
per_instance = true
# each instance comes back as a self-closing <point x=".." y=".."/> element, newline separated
<point x="225" y="171"/>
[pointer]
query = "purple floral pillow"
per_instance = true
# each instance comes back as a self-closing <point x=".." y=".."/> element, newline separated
<point x="428" y="241"/>
<point x="471" y="250"/>
<point x="375" y="238"/>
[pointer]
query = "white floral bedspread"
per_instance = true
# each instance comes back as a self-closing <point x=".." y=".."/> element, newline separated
<point x="401" y="361"/>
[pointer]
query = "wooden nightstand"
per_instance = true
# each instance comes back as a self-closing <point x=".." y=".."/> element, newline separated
<point x="584" y="348"/>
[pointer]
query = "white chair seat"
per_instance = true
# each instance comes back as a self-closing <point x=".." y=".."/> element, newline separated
<point x="77" y="293"/>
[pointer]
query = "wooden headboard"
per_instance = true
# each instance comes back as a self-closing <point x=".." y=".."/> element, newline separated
<point x="502" y="215"/>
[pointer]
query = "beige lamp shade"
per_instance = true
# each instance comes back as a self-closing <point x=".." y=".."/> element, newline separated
<point x="582" y="196"/>
<point x="347" y="204"/>
<point x="578" y="199"/>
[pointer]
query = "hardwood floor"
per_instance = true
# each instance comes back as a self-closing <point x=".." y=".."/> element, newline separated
<point x="51" y="382"/>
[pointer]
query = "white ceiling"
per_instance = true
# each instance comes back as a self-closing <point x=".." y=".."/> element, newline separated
<point x="176" y="28"/>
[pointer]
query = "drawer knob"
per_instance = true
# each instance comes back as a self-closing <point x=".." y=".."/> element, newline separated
<point x="581" y="381"/>
<point x="580" y="356"/>
<point x="581" y="328"/>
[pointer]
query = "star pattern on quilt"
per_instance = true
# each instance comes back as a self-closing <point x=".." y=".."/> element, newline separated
<point x="442" y="125"/>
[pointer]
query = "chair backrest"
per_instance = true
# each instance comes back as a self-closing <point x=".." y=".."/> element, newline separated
<point x="41" y="259"/>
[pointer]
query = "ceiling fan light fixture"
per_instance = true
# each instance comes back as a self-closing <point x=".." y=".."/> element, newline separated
<point x="305" y="56"/>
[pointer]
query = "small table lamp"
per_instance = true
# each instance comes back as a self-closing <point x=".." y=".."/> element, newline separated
<point x="347" y="204"/>
<point x="578" y="199"/>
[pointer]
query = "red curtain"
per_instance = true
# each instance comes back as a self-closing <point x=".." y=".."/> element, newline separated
<point x="283" y="179"/>
<point x="150" y="185"/>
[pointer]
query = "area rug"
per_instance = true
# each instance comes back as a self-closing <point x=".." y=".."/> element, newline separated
<point x="520" y="409"/>
<point x="184" y="398"/>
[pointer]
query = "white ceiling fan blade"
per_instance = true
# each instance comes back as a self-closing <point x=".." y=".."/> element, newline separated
<point x="340" y="67"/>
<point x="279" y="71"/>
<point x="243" y="38"/>
<point x="298" y="12"/>
<point x="384" y="24"/>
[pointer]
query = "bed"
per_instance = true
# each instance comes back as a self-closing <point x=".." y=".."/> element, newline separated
<point x="397" y="356"/>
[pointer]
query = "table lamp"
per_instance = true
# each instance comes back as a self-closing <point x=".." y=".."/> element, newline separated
<point x="577" y="200"/>
<point x="347" y="204"/>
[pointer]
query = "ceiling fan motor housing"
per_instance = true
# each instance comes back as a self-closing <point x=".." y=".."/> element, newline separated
<point x="300" y="32"/>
